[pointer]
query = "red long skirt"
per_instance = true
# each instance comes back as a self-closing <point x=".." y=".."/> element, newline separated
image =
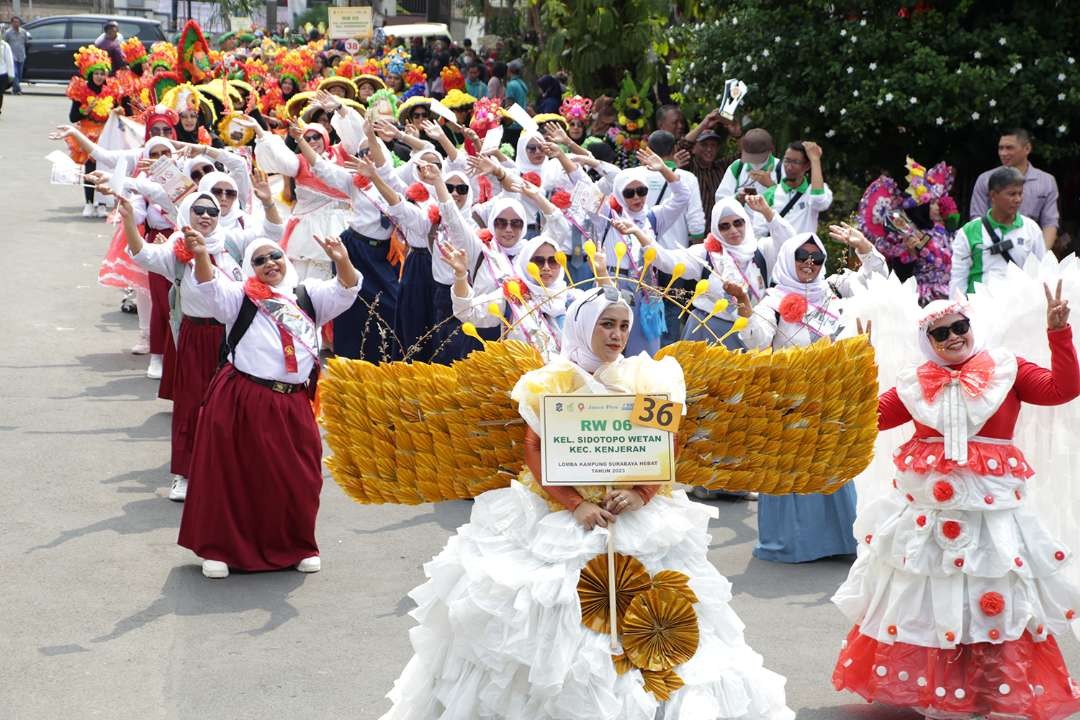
<point x="160" y="332"/>
<point x="1020" y="678"/>
<point x="168" y="369"/>
<point x="256" y="475"/>
<point x="196" y="363"/>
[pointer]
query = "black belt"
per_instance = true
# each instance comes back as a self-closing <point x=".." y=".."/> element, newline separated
<point x="201" y="320"/>
<point x="276" y="385"/>
<point x="373" y="242"/>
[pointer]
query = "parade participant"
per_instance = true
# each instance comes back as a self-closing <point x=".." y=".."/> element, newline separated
<point x="256" y="472"/>
<point x="959" y="589"/>
<point x="8" y="72"/>
<point x="501" y="629"/>
<point x="367" y="85"/>
<point x="797" y="198"/>
<point x="577" y="111"/>
<point x="755" y="171"/>
<point x="797" y="311"/>
<point x="92" y="99"/>
<point x="986" y="245"/>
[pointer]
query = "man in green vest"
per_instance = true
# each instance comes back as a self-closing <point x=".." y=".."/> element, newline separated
<point x="983" y="249"/>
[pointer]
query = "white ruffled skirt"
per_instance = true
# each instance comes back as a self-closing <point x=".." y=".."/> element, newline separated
<point x="500" y="632"/>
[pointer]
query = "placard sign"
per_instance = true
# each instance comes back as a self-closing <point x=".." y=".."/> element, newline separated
<point x="593" y="440"/>
<point x="349" y="22"/>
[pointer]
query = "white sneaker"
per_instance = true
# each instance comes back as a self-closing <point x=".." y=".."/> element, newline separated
<point x="310" y="565"/>
<point x="88" y="210"/>
<point x="142" y="347"/>
<point x="154" y="370"/>
<point x="215" y="569"/>
<point x="178" y="493"/>
<point x="101" y="211"/>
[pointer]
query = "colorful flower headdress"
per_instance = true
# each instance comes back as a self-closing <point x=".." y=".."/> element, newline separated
<point x="294" y="65"/>
<point x="394" y="62"/>
<point x="162" y="56"/>
<point x="487" y="114"/>
<point x="134" y="51"/>
<point x="382" y="96"/>
<point x="90" y="59"/>
<point x="632" y="107"/>
<point x="370" y="67"/>
<point x="457" y="99"/>
<point x="187" y="97"/>
<point x="415" y="75"/>
<point x="347" y="67"/>
<point x="576" y="108"/>
<point x="452" y="79"/>
<point x="933" y="185"/>
<point x="194" y="53"/>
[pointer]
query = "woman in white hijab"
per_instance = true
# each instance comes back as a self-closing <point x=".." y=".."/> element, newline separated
<point x="257" y="469"/>
<point x="502" y="628"/>
<point x="959" y="590"/>
<point x="797" y="311"/>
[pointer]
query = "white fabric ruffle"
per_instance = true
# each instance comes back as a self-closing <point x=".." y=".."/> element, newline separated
<point x="500" y="632"/>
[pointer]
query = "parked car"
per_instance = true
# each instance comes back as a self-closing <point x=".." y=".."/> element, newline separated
<point x="50" y="54"/>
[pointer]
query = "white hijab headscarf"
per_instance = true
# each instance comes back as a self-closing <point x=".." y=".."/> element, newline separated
<point x="497" y="206"/>
<point x="207" y="183"/>
<point x="581" y="319"/>
<point x="552" y="308"/>
<point x="786" y="277"/>
<point x="521" y="157"/>
<point x="215" y="242"/>
<point x="729" y="208"/>
<point x="935" y="311"/>
<point x="198" y="161"/>
<point x="622" y="180"/>
<point x="155" y="142"/>
<point x="288" y="283"/>
<point x="407" y="172"/>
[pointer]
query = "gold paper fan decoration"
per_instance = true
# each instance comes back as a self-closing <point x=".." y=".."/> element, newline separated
<point x="661" y="683"/>
<point x="675" y="582"/>
<point x="622" y="664"/>
<point x="631" y="579"/>
<point x="659" y="630"/>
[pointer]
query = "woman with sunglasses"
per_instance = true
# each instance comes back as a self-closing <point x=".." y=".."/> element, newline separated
<point x="799" y="310"/>
<point x="256" y="472"/>
<point x="959" y="589"/>
<point x="500" y="617"/>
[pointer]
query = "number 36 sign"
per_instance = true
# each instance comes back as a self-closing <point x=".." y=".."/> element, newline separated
<point x="656" y="411"/>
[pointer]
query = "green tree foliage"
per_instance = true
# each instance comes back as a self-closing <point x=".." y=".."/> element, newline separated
<point x="876" y="81"/>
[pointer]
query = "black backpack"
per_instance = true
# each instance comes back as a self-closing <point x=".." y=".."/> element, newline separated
<point x="247" y="314"/>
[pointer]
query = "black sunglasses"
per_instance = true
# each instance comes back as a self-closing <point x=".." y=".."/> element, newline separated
<point x="502" y="223"/>
<point x="263" y="259"/>
<point x="817" y="257"/>
<point x="533" y="148"/>
<point x="462" y="189"/>
<point x="419" y="114"/>
<point x="541" y="261"/>
<point x="958" y="328"/>
<point x="640" y="191"/>
<point x="201" y="210"/>
<point x="162" y="131"/>
<point x="313" y="137"/>
<point x="197" y="173"/>
<point x="218" y="192"/>
<point x="607" y="292"/>
<point x="724" y="226"/>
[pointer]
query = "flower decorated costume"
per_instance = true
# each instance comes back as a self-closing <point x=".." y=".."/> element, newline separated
<point x="959" y="589"/>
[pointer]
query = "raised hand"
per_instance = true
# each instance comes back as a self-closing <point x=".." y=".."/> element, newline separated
<point x="124" y="208"/>
<point x="194" y="241"/>
<point x="1057" y="310"/>
<point x="556" y="134"/>
<point x="432" y="130"/>
<point x="682" y="158"/>
<point x="333" y="248"/>
<point x="864" y="329"/>
<point x="738" y="292"/>
<point x="813" y="150"/>
<point x="361" y="166"/>
<point x="625" y="227"/>
<point x="480" y="165"/>
<point x="762" y="177"/>
<point x="757" y="204"/>
<point x="326" y="101"/>
<point x="455" y="257"/>
<point x="429" y="173"/>
<point x="470" y="134"/>
<point x="260" y="185"/>
<point x="63" y="131"/>
<point x="650" y="159"/>
<point x="850" y="236"/>
<point x="295" y="132"/>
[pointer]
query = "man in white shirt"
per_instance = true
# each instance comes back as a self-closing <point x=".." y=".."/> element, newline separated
<point x="797" y="198"/>
<point x="755" y="170"/>
<point x="982" y="249"/>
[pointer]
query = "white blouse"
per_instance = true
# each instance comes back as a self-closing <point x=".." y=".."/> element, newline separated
<point x="159" y="258"/>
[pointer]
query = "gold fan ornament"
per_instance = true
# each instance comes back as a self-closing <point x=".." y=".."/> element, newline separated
<point x="631" y="579"/>
<point x="659" y="630"/>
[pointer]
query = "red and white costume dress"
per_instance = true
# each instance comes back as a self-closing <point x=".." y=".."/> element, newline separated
<point x="958" y="590"/>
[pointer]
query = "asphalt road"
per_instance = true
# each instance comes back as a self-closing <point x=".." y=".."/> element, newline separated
<point x="103" y="615"/>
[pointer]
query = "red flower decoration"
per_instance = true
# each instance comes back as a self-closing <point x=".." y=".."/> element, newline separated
<point x="713" y="245"/>
<point x="485" y="236"/>
<point x="484" y="186"/>
<point x="417" y="193"/>
<point x="943" y="491"/>
<point x="793" y="307"/>
<point x="614" y="204"/>
<point x="361" y="182"/>
<point x="951" y="529"/>
<point x="532" y="178"/>
<point x="991" y="603"/>
<point x="257" y="290"/>
<point x="512" y="288"/>
<point x="433" y="214"/>
<point x="181" y="252"/>
<point x="560" y="199"/>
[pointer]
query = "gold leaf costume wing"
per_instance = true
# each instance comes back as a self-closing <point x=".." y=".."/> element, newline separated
<point x="797" y="420"/>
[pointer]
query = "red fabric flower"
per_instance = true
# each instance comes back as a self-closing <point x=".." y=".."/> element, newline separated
<point x="991" y="603"/>
<point x="713" y="245"/>
<point x="951" y="529"/>
<point x="512" y="288"/>
<point x="433" y="214"/>
<point x="361" y="182"/>
<point x="532" y="178"/>
<point x="943" y="491"/>
<point x="484" y="186"/>
<point x="181" y="252"/>
<point x="417" y="193"/>
<point x="560" y="199"/>
<point x="614" y="204"/>
<point x="256" y="289"/>
<point x="793" y="307"/>
<point x="485" y="236"/>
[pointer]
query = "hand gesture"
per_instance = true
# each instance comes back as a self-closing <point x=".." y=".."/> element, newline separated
<point x="471" y="135"/>
<point x="62" y="132"/>
<point x="864" y="329"/>
<point x="326" y="101"/>
<point x="194" y="241"/>
<point x="623" y="500"/>
<point x="625" y="227"/>
<point x="333" y="248"/>
<point x="432" y="130"/>
<point x="248" y="123"/>
<point x="295" y="132"/>
<point x="1057" y="310"/>
<point x="455" y="257"/>
<point x="738" y="292"/>
<point x="480" y="165"/>
<point x="385" y="128"/>
<point x="124" y="208"/>
<point x="429" y="173"/>
<point x="260" y="185"/>
<point x="712" y="119"/>
<point x="361" y="166"/>
<point x="813" y="150"/>
<point x="757" y="203"/>
<point x="850" y="236"/>
<point x="590" y="515"/>
<point x="412" y="130"/>
<point x="682" y="158"/>
<point x="650" y="159"/>
<point x="96" y="178"/>
<point x="526" y="188"/>
<point x="555" y="133"/>
<point x="762" y="177"/>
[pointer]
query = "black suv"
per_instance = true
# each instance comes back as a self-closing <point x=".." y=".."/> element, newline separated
<point x="50" y="53"/>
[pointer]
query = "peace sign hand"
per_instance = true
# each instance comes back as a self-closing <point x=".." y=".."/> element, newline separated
<point x="1057" y="310"/>
<point x="333" y="248"/>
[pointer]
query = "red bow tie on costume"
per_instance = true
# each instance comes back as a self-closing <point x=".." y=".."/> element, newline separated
<point x="974" y="377"/>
